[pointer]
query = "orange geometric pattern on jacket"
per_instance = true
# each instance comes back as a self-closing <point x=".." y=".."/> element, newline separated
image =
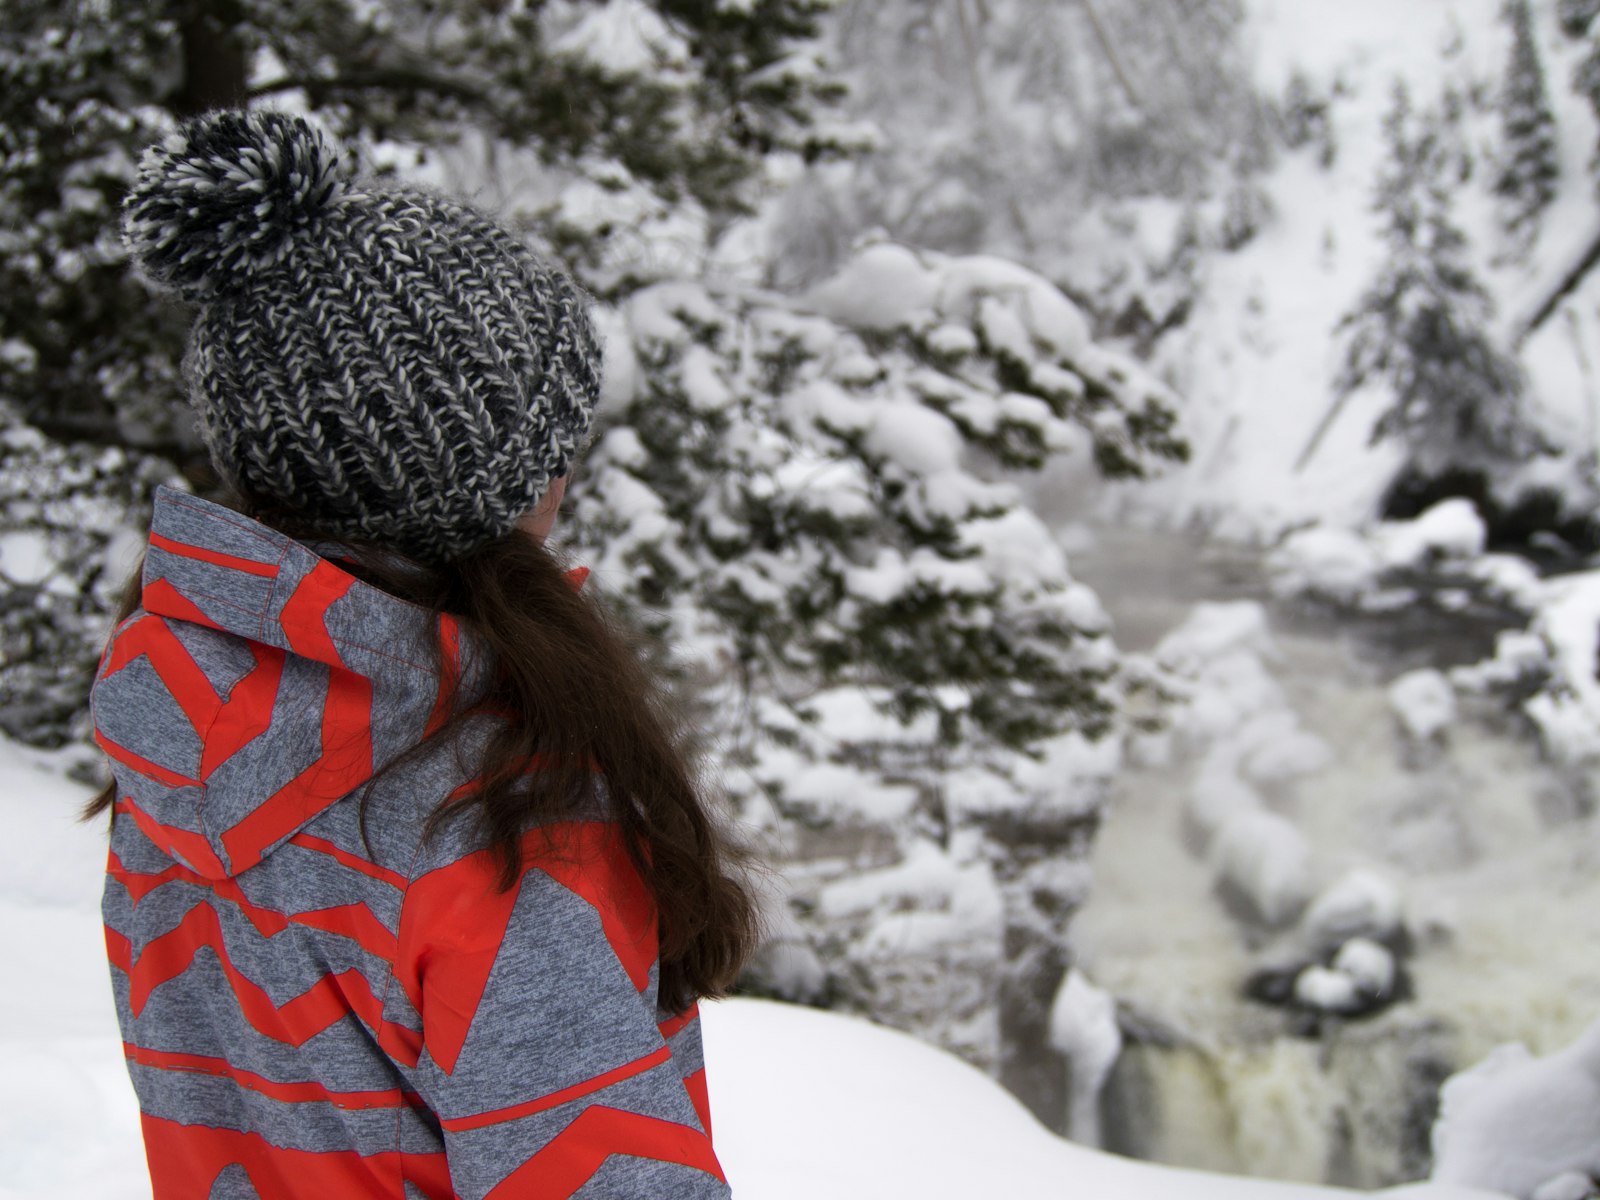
<point x="213" y="919"/>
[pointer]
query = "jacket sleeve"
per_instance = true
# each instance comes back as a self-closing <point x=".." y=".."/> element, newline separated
<point x="544" y="1059"/>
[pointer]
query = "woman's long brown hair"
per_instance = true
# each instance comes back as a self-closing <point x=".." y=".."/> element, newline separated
<point x="589" y="713"/>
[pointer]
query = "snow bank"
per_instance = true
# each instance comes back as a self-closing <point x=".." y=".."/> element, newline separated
<point x="808" y="1103"/>
<point x="68" y="1126"/>
<point x="1568" y="713"/>
<point x="1515" y="1123"/>
<point x="1362" y="567"/>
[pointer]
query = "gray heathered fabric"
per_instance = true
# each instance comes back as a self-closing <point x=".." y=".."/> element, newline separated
<point x="558" y="1009"/>
<point x="389" y="363"/>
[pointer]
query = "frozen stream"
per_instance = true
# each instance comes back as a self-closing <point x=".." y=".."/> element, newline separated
<point x="1492" y="856"/>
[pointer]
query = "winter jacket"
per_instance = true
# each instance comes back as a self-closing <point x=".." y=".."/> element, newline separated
<point x="307" y="1011"/>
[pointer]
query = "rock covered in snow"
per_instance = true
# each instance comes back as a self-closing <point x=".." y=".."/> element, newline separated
<point x="1216" y="797"/>
<point x="1550" y="668"/>
<point x="1271" y="747"/>
<point x="1520" y="658"/>
<point x="1349" y="567"/>
<point x="1083" y="1027"/>
<point x="1293" y="754"/>
<point x="1507" y="579"/>
<point x="1424" y="702"/>
<point x="1227" y="694"/>
<point x="1336" y="564"/>
<point x="1214" y="631"/>
<point x="1450" y="530"/>
<point x="1360" y="979"/>
<point x="1515" y="1123"/>
<point x="1371" y="965"/>
<point x="1263" y="861"/>
<point x="1324" y="989"/>
<point x="1359" y="904"/>
<point x="1568" y="713"/>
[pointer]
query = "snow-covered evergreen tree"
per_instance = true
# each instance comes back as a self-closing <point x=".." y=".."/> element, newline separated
<point x="805" y="489"/>
<point x="684" y="101"/>
<point x="810" y="498"/>
<point x="680" y="102"/>
<point x="1528" y="165"/>
<point x="1421" y="330"/>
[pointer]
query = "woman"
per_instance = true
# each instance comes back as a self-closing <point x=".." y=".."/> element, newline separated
<point x="411" y="892"/>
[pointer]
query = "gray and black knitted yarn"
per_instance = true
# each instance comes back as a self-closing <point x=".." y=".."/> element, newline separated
<point x="382" y="363"/>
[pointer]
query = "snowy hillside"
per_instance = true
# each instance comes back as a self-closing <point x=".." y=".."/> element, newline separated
<point x="1256" y="358"/>
<point x="1204" y="182"/>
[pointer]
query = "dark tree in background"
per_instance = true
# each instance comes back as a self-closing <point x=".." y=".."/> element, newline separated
<point x="1421" y="329"/>
<point x="1529" y="165"/>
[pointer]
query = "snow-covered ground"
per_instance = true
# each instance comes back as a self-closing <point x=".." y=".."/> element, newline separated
<point x="805" y="1103"/>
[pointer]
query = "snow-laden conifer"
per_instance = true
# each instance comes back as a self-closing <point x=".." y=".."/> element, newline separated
<point x="815" y="499"/>
<point x="1528" y="166"/>
<point x="680" y="103"/>
<point x="1422" y="329"/>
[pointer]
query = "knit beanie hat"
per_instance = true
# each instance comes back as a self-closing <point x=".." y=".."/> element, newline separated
<point x="379" y="362"/>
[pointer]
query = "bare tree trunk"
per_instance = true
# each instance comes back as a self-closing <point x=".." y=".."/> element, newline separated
<point x="1110" y="53"/>
<point x="1586" y="370"/>
<point x="1568" y="284"/>
<point x="969" y="41"/>
<point x="215" y="70"/>
<point x="1321" y="431"/>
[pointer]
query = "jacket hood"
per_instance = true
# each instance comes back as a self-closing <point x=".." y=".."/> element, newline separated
<point x="258" y="684"/>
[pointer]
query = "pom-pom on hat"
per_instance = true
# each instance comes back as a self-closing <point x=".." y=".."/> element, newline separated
<point x="377" y="362"/>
